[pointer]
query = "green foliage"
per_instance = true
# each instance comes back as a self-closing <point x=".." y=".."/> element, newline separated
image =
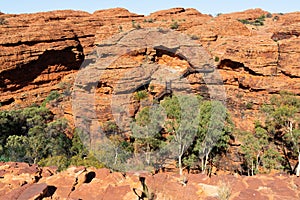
<point x="62" y="162"/>
<point x="256" y="22"/>
<point x="42" y="140"/>
<point x="19" y="122"/>
<point x="53" y="95"/>
<point x="200" y="133"/>
<point x="244" y="21"/>
<point x="141" y="94"/>
<point x="174" y="25"/>
<point x="16" y="146"/>
<point x="217" y="59"/>
<point x="146" y="132"/>
<point x="89" y="161"/>
<point x="149" y="20"/>
<point x="120" y="29"/>
<point x="136" y="25"/>
<point x="272" y="159"/>
<point x="263" y="150"/>
<point x="249" y="105"/>
<point x="78" y="148"/>
<point x="214" y="129"/>
<point x="3" y="158"/>
<point x="3" y="21"/>
<point x="280" y="112"/>
<point x="31" y="135"/>
<point x="65" y="87"/>
<point x="110" y="127"/>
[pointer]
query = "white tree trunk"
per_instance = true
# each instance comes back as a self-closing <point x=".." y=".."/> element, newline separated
<point x="116" y="156"/>
<point x="252" y="168"/>
<point x="298" y="167"/>
<point x="202" y="163"/>
<point x="180" y="165"/>
<point x="148" y="154"/>
<point x="206" y="160"/>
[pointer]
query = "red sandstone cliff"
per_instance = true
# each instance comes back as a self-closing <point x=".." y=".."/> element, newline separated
<point x="40" y="50"/>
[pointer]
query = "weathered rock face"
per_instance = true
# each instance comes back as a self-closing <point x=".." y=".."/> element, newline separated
<point x="39" y="51"/>
<point x="91" y="183"/>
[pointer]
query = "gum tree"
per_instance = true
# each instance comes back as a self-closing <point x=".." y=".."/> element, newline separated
<point x="283" y="122"/>
<point x="213" y="131"/>
<point x="181" y="124"/>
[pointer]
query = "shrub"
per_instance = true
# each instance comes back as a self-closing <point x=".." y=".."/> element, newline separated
<point x="174" y="25"/>
<point x="257" y="22"/>
<point x="2" y="21"/>
<point x="249" y="105"/>
<point x="120" y="28"/>
<point x="136" y="26"/>
<point x="269" y="15"/>
<point x="224" y="191"/>
<point x="149" y="20"/>
<point x="139" y="95"/>
<point x="217" y="59"/>
<point x="52" y="96"/>
<point x="89" y="161"/>
<point x="61" y="162"/>
<point x="194" y="37"/>
<point x="276" y="18"/>
<point x="244" y="21"/>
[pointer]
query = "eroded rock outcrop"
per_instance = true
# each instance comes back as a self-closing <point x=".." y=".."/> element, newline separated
<point x="91" y="183"/>
<point x="39" y="51"/>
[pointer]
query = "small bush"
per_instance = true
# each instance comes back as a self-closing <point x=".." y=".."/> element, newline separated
<point x="52" y="96"/>
<point x="174" y="25"/>
<point x="269" y="15"/>
<point x="217" y="59"/>
<point x="2" y="21"/>
<point x="120" y="28"/>
<point x="149" y="20"/>
<point x="257" y="22"/>
<point x="249" y="105"/>
<point x="244" y="21"/>
<point x="140" y="95"/>
<point x="224" y="191"/>
<point x="276" y="18"/>
<point x="151" y="87"/>
<point x="194" y="37"/>
<point x="136" y="25"/>
<point x="61" y="162"/>
<point x="4" y="158"/>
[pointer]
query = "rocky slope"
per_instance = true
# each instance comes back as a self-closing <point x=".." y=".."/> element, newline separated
<point x="40" y="50"/>
<point x="28" y="182"/>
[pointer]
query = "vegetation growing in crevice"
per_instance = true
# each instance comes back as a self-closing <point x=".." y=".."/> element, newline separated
<point x="256" y="22"/>
<point x="3" y="21"/>
<point x="174" y="25"/>
<point x="136" y="25"/>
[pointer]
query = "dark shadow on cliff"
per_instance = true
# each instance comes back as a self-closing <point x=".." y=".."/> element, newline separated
<point x="23" y="75"/>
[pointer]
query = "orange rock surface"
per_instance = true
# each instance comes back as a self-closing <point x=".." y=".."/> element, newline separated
<point x="32" y="182"/>
<point x="40" y="51"/>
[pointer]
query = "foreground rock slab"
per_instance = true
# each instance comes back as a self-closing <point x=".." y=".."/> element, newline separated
<point x="90" y="183"/>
